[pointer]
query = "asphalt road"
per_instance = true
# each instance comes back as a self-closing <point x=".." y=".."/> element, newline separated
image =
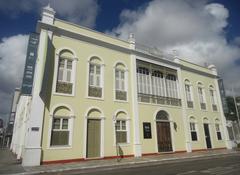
<point x="222" y="165"/>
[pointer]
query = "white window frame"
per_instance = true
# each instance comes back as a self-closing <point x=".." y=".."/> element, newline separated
<point x="213" y="97"/>
<point x="172" y="86"/>
<point x="73" y="73"/>
<point x="191" y="130"/>
<point x="143" y="78"/>
<point x="102" y="65"/>
<point x="200" y="85"/>
<point x="125" y="81"/>
<point x="65" y="70"/>
<point x="127" y="119"/>
<point x="218" y="130"/>
<point x="191" y="95"/>
<point x="70" y="129"/>
<point x="121" y="130"/>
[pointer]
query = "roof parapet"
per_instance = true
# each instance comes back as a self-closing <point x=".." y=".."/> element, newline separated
<point x="48" y="15"/>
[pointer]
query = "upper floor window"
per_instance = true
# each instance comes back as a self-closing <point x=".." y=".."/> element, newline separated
<point x="171" y="86"/>
<point x="188" y="91"/>
<point x="193" y="129"/>
<point x="143" y="76"/>
<point x="158" y="83"/>
<point x="120" y="82"/>
<point x="65" y="75"/>
<point x="95" y="78"/>
<point x="201" y="96"/>
<point x="213" y="98"/>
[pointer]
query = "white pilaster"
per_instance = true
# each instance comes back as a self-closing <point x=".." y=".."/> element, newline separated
<point x="32" y="150"/>
<point x="182" y="96"/>
<point x="135" y="114"/>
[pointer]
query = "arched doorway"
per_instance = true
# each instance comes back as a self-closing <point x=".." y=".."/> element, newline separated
<point x="163" y="132"/>
<point x="94" y="134"/>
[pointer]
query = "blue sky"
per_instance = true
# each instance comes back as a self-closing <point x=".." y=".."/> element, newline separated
<point x="202" y="31"/>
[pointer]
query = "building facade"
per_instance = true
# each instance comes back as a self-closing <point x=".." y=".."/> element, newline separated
<point x="95" y="96"/>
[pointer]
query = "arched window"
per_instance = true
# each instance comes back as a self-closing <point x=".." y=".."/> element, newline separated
<point x="218" y="129"/>
<point x="201" y="95"/>
<point x="162" y="115"/>
<point x="122" y="128"/>
<point x="189" y="96"/>
<point x="61" y="127"/>
<point x="120" y="82"/>
<point x="95" y="83"/>
<point x="213" y="98"/>
<point x="65" y="75"/>
<point x="193" y="129"/>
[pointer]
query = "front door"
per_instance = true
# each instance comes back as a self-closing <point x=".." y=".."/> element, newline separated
<point x="93" y="138"/>
<point x="164" y="137"/>
<point x="207" y="135"/>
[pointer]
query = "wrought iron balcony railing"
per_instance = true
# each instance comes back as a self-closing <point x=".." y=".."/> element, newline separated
<point x="64" y="87"/>
<point x="146" y="98"/>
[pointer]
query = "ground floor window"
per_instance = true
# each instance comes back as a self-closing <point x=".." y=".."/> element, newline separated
<point x="121" y="131"/>
<point x="60" y="131"/>
<point x="193" y="131"/>
<point x="219" y="135"/>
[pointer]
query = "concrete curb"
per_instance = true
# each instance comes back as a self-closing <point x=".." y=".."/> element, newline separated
<point x="119" y="164"/>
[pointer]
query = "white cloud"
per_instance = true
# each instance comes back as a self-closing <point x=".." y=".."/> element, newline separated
<point x="12" y="60"/>
<point x="83" y="12"/>
<point x="196" y="29"/>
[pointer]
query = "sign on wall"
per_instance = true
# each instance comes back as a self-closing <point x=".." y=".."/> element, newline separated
<point x="147" y="133"/>
<point x="31" y="57"/>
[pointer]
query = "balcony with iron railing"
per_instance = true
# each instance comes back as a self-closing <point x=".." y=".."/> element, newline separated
<point x="94" y="91"/>
<point x="121" y="95"/>
<point x="154" y="99"/>
<point x="203" y="106"/>
<point x="64" y="87"/>
<point x="214" y="107"/>
<point x="190" y="104"/>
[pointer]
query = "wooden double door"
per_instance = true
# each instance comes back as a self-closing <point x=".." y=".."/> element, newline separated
<point x="164" y="136"/>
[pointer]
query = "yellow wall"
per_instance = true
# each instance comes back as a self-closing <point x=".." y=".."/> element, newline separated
<point x="80" y="103"/>
<point x="199" y="114"/>
<point x="147" y="113"/>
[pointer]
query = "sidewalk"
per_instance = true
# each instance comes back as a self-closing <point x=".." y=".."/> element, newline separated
<point x="114" y="163"/>
<point x="8" y="164"/>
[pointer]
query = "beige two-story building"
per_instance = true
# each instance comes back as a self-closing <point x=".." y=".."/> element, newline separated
<point x="96" y="96"/>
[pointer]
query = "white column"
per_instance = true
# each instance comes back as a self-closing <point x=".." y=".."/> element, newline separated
<point x="135" y="115"/>
<point x="32" y="150"/>
<point x="184" y="113"/>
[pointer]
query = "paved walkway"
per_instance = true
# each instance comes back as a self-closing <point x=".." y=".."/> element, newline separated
<point x="9" y="165"/>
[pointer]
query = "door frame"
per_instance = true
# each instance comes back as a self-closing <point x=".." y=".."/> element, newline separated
<point x="170" y="123"/>
<point x="205" y="141"/>
<point x="171" y="130"/>
<point x="101" y="118"/>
